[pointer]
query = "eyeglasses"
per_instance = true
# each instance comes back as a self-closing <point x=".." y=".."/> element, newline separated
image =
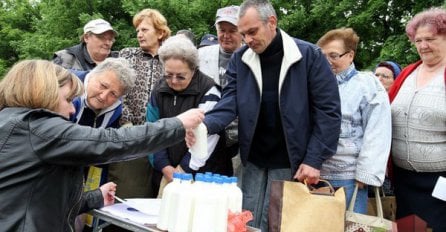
<point x="170" y="77"/>
<point x="105" y="37"/>
<point x="335" y="56"/>
<point x="384" y="76"/>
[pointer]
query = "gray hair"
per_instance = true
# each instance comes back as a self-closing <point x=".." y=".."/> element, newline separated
<point x="263" y="7"/>
<point x="121" y="67"/>
<point x="179" y="47"/>
<point x="188" y="33"/>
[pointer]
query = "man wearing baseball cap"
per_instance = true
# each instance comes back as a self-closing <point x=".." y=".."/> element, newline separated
<point x="213" y="62"/>
<point x="95" y="46"/>
<point x="214" y="58"/>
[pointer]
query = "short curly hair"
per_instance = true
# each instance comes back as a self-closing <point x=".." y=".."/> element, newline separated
<point x="434" y="17"/>
<point x="158" y="20"/>
<point x="346" y="34"/>
<point x="181" y="48"/>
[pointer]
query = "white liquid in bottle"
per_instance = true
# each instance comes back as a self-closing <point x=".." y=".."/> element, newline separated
<point x="182" y="198"/>
<point x="167" y="207"/>
<point x="221" y="209"/>
<point x="210" y="207"/>
<point x="235" y="196"/>
<point x="200" y="148"/>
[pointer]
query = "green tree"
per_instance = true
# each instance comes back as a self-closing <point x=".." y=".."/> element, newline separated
<point x="38" y="28"/>
<point x="14" y="23"/>
<point x="57" y="27"/>
<point x="379" y="23"/>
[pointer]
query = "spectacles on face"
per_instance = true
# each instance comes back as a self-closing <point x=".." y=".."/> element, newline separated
<point x="104" y="37"/>
<point x="335" y="56"/>
<point x="382" y="75"/>
<point x="170" y="77"/>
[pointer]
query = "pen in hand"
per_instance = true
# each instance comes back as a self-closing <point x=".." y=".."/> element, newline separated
<point x="119" y="199"/>
<point x="124" y="201"/>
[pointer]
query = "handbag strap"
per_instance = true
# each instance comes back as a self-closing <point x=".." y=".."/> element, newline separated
<point x="353" y="200"/>
<point x="379" y="207"/>
<point x="313" y="190"/>
<point x="382" y="191"/>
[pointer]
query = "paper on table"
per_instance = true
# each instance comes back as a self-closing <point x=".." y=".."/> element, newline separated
<point x="125" y="211"/>
<point x="149" y="206"/>
<point x="440" y="189"/>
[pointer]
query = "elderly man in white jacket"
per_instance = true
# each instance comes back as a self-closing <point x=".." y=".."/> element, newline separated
<point x="215" y="58"/>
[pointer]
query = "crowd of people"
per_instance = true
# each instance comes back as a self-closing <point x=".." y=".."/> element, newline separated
<point x="94" y="123"/>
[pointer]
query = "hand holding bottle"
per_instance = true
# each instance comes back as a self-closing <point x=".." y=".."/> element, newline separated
<point x="191" y="118"/>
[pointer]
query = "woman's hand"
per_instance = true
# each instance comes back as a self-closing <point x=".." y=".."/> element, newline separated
<point x="191" y="118"/>
<point x="168" y="173"/>
<point x="360" y="185"/>
<point x="108" y="192"/>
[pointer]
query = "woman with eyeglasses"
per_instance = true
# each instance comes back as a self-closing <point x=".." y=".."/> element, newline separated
<point x="418" y="99"/>
<point x="387" y="72"/>
<point x="364" y="142"/>
<point x="184" y="87"/>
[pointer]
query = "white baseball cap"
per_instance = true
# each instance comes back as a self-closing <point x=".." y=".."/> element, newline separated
<point x="227" y="14"/>
<point x="98" y="26"/>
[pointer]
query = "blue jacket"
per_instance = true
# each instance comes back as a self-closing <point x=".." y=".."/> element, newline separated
<point x="308" y="99"/>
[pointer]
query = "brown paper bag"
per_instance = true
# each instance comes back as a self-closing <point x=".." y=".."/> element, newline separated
<point x="388" y="204"/>
<point x="298" y="207"/>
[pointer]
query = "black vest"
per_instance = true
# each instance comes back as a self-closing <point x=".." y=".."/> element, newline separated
<point x="171" y="103"/>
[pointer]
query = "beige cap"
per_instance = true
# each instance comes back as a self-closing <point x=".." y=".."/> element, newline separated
<point x="227" y="14"/>
<point x="98" y="26"/>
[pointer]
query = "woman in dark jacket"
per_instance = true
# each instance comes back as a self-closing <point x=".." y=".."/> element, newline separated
<point x="184" y="87"/>
<point x="42" y="153"/>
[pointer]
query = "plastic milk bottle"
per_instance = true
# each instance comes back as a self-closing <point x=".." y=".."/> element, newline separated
<point x="200" y="148"/>
<point x="182" y="199"/>
<point x="203" y="206"/>
<point x="167" y="208"/>
<point x="235" y="196"/>
<point x="221" y="205"/>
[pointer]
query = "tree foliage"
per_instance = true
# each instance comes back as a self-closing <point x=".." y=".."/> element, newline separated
<point x="38" y="28"/>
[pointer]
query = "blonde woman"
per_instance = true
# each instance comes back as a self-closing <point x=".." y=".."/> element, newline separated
<point x="42" y="153"/>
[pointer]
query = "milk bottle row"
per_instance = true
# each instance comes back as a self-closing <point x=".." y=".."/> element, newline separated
<point x="200" y="205"/>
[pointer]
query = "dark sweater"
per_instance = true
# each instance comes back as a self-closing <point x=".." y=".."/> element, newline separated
<point x="268" y="147"/>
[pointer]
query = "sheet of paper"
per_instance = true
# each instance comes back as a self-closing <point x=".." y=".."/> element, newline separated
<point x="440" y="189"/>
<point x="128" y="212"/>
<point x="149" y="206"/>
